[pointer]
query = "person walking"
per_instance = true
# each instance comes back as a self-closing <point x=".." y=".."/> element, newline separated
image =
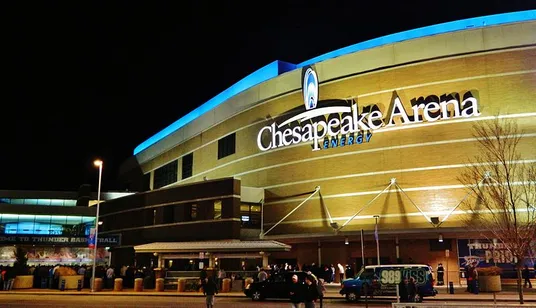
<point x="341" y="272"/>
<point x="526" y="277"/>
<point x="296" y="292"/>
<point x="412" y="290"/>
<point x="469" y="273"/>
<point x="440" y="274"/>
<point x="209" y="290"/>
<point x="110" y="277"/>
<point x="9" y="278"/>
<point x="311" y="291"/>
<point x="262" y="276"/>
<point x="403" y="290"/>
<point x="221" y="275"/>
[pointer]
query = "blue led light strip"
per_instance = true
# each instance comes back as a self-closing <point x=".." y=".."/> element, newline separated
<point x="277" y="68"/>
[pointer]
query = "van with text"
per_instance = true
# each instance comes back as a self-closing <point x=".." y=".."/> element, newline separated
<point x="382" y="280"/>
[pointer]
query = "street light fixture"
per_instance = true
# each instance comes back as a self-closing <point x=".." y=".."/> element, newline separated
<point x="97" y="163"/>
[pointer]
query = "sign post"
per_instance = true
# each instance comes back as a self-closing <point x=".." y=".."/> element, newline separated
<point x="447" y="254"/>
<point x="377" y="239"/>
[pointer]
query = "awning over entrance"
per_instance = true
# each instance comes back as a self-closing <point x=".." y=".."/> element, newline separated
<point x="213" y="246"/>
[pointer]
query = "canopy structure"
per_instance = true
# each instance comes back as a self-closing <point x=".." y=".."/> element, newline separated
<point x="213" y="250"/>
<point x="212" y="246"/>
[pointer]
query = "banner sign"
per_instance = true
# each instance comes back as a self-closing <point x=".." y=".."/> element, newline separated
<point x="91" y="238"/>
<point x="48" y="255"/>
<point x="390" y="277"/>
<point x="483" y="253"/>
<point x="107" y="240"/>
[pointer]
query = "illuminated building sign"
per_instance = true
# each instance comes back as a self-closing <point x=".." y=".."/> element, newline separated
<point x="109" y="240"/>
<point x="342" y="122"/>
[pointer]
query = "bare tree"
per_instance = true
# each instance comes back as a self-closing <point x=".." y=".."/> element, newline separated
<point x="503" y="187"/>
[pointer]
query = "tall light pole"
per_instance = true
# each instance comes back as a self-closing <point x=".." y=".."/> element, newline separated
<point x="97" y="163"/>
<point x="376" y="236"/>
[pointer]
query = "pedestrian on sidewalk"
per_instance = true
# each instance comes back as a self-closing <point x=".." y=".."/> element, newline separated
<point x="403" y="290"/>
<point x="9" y="278"/>
<point x="297" y="292"/>
<point x="526" y="276"/>
<point x="312" y="292"/>
<point x="412" y="290"/>
<point x="440" y="274"/>
<point x="209" y="290"/>
<point x="341" y="272"/>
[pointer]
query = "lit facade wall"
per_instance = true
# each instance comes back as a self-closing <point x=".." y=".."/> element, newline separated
<point x="496" y="65"/>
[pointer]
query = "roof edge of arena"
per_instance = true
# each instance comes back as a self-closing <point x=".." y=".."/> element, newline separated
<point x="277" y="67"/>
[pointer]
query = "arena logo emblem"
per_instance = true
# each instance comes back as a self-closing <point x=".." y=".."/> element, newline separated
<point x="342" y="123"/>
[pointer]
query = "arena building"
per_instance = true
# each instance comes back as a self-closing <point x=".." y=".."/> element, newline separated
<point x="306" y="157"/>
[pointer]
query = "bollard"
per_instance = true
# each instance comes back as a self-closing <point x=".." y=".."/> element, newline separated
<point x="451" y="287"/>
<point x="62" y="285"/>
<point x="181" y="285"/>
<point x="97" y="284"/>
<point x="118" y="284"/>
<point x="79" y="285"/>
<point x="159" y="286"/>
<point x="226" y="285"/>
<point x="138" y="285"/>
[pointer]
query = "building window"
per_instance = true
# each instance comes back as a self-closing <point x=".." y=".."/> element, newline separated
<point x="45" y="224"/>
<point x="226" y="146"/>
<point x="187" y="165"/>
<point x="217" y="209"/>
<point x="193" y="212"/>
<point x="166" y="175"/>
<point x="250" y="214"/>
<point x="146" y="182"/>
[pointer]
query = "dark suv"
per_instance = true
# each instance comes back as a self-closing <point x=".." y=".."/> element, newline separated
<point x="276" y="286"/>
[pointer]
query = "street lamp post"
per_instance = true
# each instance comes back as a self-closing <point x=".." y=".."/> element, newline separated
<point x="97" y="163"/>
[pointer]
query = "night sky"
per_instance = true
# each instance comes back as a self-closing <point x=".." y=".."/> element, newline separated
<point x="96" y="79"/>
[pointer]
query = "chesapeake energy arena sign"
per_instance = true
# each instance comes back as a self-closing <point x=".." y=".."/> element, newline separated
<point x="345" y="124"/>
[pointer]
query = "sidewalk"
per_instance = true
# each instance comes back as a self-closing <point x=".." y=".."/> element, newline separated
<point x="332" y="293"/>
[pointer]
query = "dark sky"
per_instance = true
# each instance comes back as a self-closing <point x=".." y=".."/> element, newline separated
<point x="86" y="79"/>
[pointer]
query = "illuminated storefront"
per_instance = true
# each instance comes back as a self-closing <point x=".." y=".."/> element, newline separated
<point x="52" y="227"/>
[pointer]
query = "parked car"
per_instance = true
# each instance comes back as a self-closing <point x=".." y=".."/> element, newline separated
<point x="382" y="280"/>
<point x="276" y="286"/>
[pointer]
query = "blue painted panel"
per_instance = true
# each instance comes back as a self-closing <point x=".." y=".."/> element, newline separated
<point x="267" y="72"/>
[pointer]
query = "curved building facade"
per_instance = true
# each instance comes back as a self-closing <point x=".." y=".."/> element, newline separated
<point x="370" y="137"/>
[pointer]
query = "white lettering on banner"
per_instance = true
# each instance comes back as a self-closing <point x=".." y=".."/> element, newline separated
<point x="492" y="253"/>
<point x="337" y="126"/>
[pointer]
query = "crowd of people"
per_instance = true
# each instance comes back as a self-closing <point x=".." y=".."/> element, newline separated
<point x="47" y="276"/>
<point x="326" y="272"/>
